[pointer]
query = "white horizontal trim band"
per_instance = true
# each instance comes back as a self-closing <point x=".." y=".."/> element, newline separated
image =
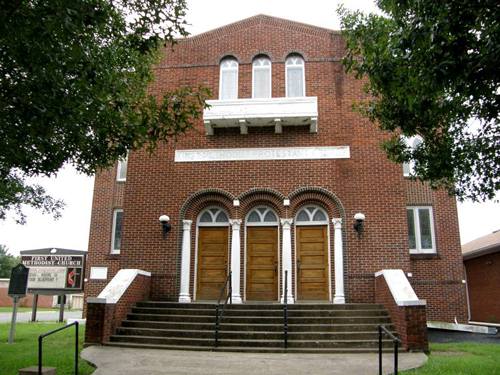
<point x="271" y="153"/>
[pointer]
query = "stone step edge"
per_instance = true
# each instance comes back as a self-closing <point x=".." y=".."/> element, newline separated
<point x="249" y="349"/>
<point x="254" y="310"/>
<point x="265" y="317"/>
<point x="251" y="332"/>
<point x="248" y="340"/>
<point x="223" y="323"/>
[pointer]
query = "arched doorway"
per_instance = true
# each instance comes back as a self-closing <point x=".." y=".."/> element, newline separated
<point x="262" y="254"/>
<point x="312" y="265"/>
<point x="212" y="253"/>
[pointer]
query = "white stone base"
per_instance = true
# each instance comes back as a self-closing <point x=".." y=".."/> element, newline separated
<point x="236" y="299"/>
<point x="339" y="300"/>
<point x="184" y="299"/>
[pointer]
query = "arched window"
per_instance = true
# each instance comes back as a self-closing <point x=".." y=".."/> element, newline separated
<point x="311" y="215"/>
<point x="261" y="87"/>
<point x="262" y="215"/>
<point x="295" y="77"/>
<point x="213" y="216"/>
<point x="228" y="85"/>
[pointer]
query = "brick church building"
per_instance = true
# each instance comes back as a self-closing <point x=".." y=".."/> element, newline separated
<point x="280" y="176"/>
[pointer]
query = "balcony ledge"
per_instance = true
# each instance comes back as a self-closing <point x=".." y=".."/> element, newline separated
<point x="277" y="112"/>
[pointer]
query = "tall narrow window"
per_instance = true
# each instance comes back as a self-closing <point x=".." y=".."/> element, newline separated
<point x="116" y="237"/>
<point x="228" y="85"/>
<point x="261" y="87"/>
<point x="295" y="78"/>
<point x="121" y="170"/>
<point x="420" y="230"/>
<point x="412" y="143"/>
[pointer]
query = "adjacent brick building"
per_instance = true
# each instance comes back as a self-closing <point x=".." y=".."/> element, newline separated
<point x="270" y="181"/>
<point x="482" y="267"/>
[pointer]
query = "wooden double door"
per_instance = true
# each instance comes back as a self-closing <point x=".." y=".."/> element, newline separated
<point x="312" y="263"/>
<point x="262" y="264"/>
<point x="212" y="269"/>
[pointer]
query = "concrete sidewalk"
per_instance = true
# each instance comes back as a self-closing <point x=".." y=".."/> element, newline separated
<point x="124" y="361"/>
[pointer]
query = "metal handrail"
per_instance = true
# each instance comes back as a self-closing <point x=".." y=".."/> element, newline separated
<point x="40" y="345"/>
<point x="219" y="312"/>
<point x="285" y="311"/>
<point x="396" y="341"/>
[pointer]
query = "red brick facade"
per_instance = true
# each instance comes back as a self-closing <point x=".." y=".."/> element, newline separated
<point x="366" y="182"/>
<point x="483" y="280"/>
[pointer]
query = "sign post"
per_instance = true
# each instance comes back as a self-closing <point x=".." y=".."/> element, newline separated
<point x="18" y="285"/>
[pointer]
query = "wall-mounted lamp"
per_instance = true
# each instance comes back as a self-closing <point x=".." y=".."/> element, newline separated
<point x="359" y="220"/>
<point x="165" y="225"/>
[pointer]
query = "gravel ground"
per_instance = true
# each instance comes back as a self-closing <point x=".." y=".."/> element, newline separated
<point x="444" y="336"/>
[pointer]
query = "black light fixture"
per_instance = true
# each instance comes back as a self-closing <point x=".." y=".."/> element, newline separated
<point x="359" y="220"/>
<point x="165" y="225"/>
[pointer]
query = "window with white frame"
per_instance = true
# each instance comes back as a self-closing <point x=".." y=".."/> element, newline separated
<point x="261" y="72"/>
<point x="295" y="77"/>
<point x="421" y="229"/>
<point x="121" y="170"/>
<point x="116" y="236"/>
<point x="213" y="216"/>
<point x="311" y="215"/>
<point x="228" y="85"/>
<point x="412" y="143"/>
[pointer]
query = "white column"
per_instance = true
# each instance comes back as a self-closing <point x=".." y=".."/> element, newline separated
<point x="338" y="258"/>
<point x="287" y="259"/>
<point x="235" y="260"/>
<point x="184" y="295"/>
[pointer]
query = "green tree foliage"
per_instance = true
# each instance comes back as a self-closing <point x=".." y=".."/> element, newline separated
<point x="74" y="81"/>
<point x="7" y="262"/>
<point x="433" y="69"/>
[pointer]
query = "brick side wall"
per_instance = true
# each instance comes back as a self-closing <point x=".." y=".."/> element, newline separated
<point x="366" y="182"/>
<point x="483" y="280"/>
<point x="410" y="321"/>
<point x="430" y="284"/>
<point x="5" y="300"/>
<point x="104" y="318"/>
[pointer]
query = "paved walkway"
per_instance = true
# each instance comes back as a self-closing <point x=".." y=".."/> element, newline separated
<point x="41" y="316"/>
<point x="125" y="361"/>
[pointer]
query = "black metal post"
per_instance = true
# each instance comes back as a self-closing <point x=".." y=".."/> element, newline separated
<point x="380" y="350"/>
<point x="61" y="308"/>
<point x="40" y="338"/>
<point x="34" y="307"/>
<point x="231" y="287"/>
<point x="395" y="357"/>
<point x="216" y="325"/>
<point x="285" y="310"/>
<point x="76" y="347"/>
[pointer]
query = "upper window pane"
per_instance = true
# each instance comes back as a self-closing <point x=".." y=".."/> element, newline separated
<point x="262" y="216"/>
<point x="253" y="217"/>
<point x="228" y="87"/>
<point x="206" y="218"/>
<point x="117" y="231"/>
<point x="411" y="229"/>
<point x="213" y="217"/>
<point x="425" y="228"/>
<point x="270" y="217"/>
<point x="295" y="78"/>
<point x="222" y="217"/>
<point x="319" y="216"/>
<point x="262" y="77"/>
<point x="121" y="172"/>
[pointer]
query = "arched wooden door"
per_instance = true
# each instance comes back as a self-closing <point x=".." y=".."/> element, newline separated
<point x="262" y="255"/>
<point x="213" y="248"/>
<point x="311" y="234"/>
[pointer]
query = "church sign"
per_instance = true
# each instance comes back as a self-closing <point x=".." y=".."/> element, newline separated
<point x="54" y="269"/>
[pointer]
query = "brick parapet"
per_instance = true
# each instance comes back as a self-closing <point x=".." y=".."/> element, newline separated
<point x="410" y="321"/>
<point x="104" y="318"/>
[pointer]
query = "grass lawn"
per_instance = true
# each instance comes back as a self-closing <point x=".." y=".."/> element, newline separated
<point x="58" y="349"/>
<point x="27" y="309"/>
<point x="461" y="359"/>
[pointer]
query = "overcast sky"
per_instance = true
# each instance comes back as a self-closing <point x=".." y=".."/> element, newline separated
<point x="72" y="230"/>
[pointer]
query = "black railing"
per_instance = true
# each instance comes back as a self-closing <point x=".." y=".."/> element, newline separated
<point x="382" y="330"/>
<point x="219" y="310"/>
<point x="40" y="345"/>
<point x="285" y="311"/>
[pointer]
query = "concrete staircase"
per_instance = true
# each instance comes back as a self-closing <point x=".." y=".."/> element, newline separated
<point x="315" y="328"/>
